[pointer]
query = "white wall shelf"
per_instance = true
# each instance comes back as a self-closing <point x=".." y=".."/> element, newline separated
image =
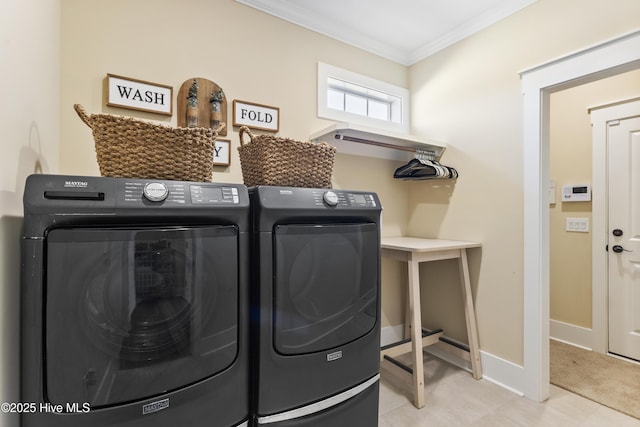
<point x="370" y="142"/>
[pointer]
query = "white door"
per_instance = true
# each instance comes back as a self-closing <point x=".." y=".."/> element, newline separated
<point x="624" y="237"/>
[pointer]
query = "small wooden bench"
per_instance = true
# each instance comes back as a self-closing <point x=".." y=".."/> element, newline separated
<point x="414" y="251"/>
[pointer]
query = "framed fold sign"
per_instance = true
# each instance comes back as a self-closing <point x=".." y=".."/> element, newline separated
<point x="256" y="116"/>
<point x="134" y="94"/>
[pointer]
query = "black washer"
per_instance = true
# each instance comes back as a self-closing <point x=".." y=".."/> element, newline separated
<point x="134" y="303"/>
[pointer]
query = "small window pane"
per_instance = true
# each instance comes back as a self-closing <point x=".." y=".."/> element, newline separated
<point x="335" y="99"/>
<point x="346" y="96"/>
<point x="355" y="104"/>
<point x="378" y="110"/>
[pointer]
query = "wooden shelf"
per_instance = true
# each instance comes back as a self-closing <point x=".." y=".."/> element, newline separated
<point x="370" y="142"/>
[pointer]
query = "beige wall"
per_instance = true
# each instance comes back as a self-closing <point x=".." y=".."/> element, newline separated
<point x="29" y="127"/>
<point x="252" y="56"/>
<point x="469" y="96"/>
<point x="571" y="163"/>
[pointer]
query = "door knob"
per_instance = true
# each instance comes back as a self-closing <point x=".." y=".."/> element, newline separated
<point x="619" y="249"/>
<point x="617" y="232"/>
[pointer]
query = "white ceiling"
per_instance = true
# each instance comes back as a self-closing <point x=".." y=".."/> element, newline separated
<point x="405" y="31"/>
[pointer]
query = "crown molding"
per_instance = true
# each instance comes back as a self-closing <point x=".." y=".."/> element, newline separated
<point x="291" y="11"/>
<point x="471" y="27"/>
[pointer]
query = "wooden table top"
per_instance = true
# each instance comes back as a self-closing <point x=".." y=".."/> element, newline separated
<point x="416" y="244"/>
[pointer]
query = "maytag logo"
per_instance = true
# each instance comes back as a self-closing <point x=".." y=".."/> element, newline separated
<point x="76" y="184"/>
<point x="334" y="356"/>
<point x="156" y="406"/>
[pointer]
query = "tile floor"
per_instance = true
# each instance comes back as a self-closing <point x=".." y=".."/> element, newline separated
<point x="454" y="398"/>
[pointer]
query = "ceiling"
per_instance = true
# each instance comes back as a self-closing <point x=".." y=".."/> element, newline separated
<point x="405" y="31"/>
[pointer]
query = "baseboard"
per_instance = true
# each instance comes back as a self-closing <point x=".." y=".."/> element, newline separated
<point x="499" y="371"/>
<point x="391" y="334"/>
<point x="571" y="334"/>
<point x="502" y="372"/>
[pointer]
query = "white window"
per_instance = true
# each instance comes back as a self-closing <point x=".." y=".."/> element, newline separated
<point x="349" y="97"/>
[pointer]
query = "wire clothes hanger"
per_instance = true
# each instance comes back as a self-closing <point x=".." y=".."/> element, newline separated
<point x="424" y="166"/>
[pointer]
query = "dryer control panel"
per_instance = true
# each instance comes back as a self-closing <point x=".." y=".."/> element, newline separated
<point x="281" y="205"/>
<point x="344" y="198"/>
<point x="298" y="198"/>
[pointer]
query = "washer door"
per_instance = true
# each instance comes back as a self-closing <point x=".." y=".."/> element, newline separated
<point x="326" y="285"/>
<point x="133" y="313"/>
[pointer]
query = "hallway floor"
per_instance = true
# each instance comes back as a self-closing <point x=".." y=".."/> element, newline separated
<point x="454" y="398"/>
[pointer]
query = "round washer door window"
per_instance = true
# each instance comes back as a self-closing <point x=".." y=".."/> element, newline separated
<point x="133" y="313"/>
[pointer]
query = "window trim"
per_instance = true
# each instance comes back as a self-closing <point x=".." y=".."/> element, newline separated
<point x="325" y="71"/>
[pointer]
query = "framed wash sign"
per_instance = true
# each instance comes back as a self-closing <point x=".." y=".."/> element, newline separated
<point x="139" y="95"/>
<point x="256" y="116"/>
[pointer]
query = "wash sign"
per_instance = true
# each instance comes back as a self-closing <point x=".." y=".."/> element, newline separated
<point x="139" y="95"/>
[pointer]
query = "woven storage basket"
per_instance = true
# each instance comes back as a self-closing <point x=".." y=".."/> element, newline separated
<point x="270" y="160"/>
<point x="130" y="148"/>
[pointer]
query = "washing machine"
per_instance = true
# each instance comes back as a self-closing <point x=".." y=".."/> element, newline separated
<point x="134" y="303"/>
<point x="315" y="307"/>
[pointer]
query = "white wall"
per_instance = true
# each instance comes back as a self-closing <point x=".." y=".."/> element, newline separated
<point x="29" y="136"/>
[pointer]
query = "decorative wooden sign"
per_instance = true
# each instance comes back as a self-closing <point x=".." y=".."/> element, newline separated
<point x="202" y="103"/>
<point x="222" y="152"/>
<point x="256" y="116"/>
<point x="134" y="94"/>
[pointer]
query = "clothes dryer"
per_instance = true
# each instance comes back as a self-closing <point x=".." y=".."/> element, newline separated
<point x="134" y="303"/>
<point x="315" y="305"/>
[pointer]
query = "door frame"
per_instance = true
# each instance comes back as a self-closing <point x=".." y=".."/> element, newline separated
<point x="606" y="59"/>
<point x="600" y="115"/>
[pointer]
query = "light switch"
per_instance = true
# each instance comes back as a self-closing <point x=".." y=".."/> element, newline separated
<point x="579" y="225"/>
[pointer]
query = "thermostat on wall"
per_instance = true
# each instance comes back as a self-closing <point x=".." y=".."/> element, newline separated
<point x="576" y="193"/>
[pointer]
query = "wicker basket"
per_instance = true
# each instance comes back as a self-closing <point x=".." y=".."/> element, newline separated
<point x="270" y="160"/>
<point x="127" y="147"/>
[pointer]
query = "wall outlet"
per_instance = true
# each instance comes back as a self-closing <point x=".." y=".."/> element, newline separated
<point x="580" y="225"/>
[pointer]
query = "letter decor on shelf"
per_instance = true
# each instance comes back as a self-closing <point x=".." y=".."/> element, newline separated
<point x="125" y="92"/>
<point x="256" y="116"/>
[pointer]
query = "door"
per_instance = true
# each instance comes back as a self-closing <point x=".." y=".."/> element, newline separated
<point x="326" y="285"/>
<point x="624" y="237"/>
<point x="133" y="313"/>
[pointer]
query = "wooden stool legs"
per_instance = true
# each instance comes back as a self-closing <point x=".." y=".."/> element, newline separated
<point x="415" y="338"/>
<point x="416" y="333"/>
<point x="470" y="316"/>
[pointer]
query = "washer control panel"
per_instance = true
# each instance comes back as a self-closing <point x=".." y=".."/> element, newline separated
<point x="205" y="194"/>
<point x="337" y="198"/>
<point x="177" y="193"/>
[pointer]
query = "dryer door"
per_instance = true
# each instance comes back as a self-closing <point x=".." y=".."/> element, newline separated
<point x="326" y="285"/>
<point x="133" y="313"/>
